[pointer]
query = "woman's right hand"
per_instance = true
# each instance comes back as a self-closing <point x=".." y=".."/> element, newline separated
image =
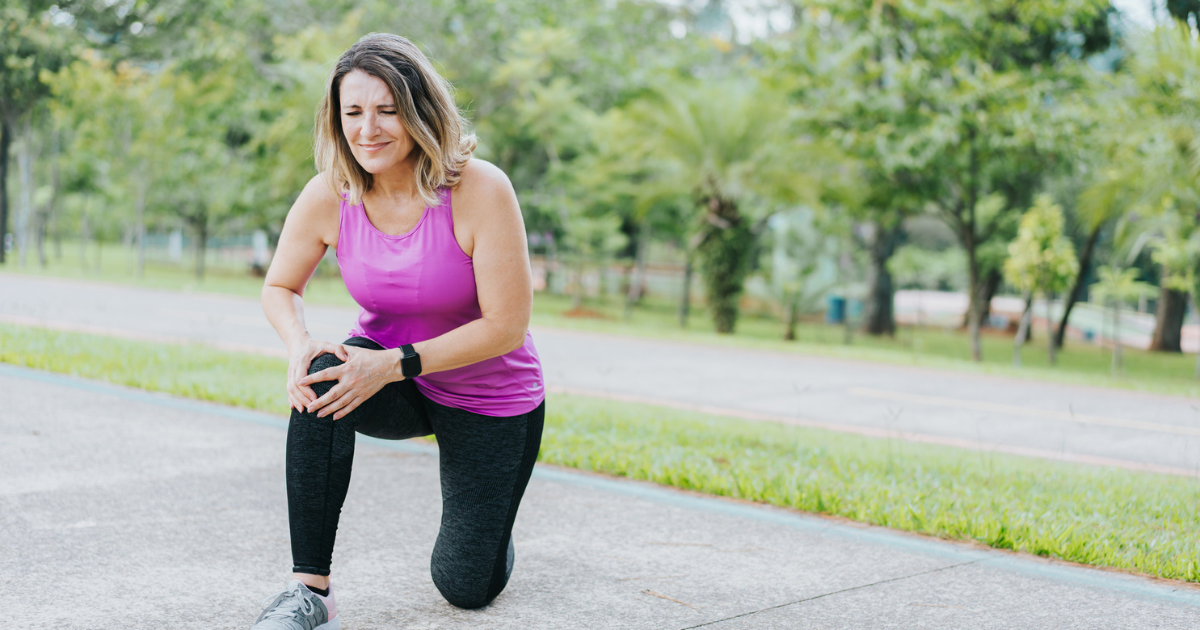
<point x="302" y="352"/>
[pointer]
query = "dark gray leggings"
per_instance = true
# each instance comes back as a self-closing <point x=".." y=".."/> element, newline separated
<point x="485" y="464"/>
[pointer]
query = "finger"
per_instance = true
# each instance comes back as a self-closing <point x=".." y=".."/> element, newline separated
<point x="296" y="396"/>
<point x="347" y="409"/>
<point x="333" y="394"/>
<point x="341" y="352"/>
<point x="336" y="405"/>
<point x="328" y="374"/>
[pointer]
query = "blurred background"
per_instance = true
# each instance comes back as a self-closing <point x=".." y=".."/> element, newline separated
<point x="936" y="178"/>
<point x="930" y="265"/>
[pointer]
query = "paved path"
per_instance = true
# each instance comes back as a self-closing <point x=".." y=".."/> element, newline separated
<point x="1054" y="421"/>
<point x="125" y="509"/>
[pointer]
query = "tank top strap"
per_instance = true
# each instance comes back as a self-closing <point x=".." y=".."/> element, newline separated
<point x="442" y="210"/>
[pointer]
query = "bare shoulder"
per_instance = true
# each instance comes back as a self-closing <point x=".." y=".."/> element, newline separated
<point x="315" y="211"/>
<point x="483" y="186"/>
<point x="485" y="204"/>
<point x="317" y="195"/>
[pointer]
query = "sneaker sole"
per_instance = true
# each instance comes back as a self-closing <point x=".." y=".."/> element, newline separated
<point x="332" y="624"/>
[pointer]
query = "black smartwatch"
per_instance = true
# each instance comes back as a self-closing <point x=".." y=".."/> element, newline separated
<point x="410" y="361"/>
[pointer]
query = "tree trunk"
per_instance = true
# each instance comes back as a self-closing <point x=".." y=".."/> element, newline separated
<point x="723" y="256"/>
<point x="1196" y="308"/>
<point x="1085" y="263"/>
<point x="5" y="142"/>
<point x="140" y="225"/>
<point x="792" y="306"/>
<point x="200" y="222"/>
<point x="85" y="233"/>
<point x="1050" y="326"/>
<point x="552" y="264"/>
<point x="47" y="211"/>
<point x="989" y="287"/>
<point x="1118" y="359"/>
<point x="880" y="318"/>
<point x="25" y="172"/>
<point x="685" y="301"/>
<point x="1168" y="327"/>
<point x="1023" y="328"/>
<point x="973" y="308"/>
<point x="637" y="284"/>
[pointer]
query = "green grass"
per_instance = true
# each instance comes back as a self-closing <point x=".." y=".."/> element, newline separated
<point x="928" y="347"/>
<point x="1133" y="521"/>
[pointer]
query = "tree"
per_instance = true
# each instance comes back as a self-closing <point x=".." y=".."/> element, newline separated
<point x="1178" y="253"/>
<point x="1040" y="260"/>
<point x="31" y="43"/>
<point x="1166" y="108"/>
<point x="1117" y="287"/>
<point x="999" y="122"/>
<point x="855" y="82"/>
<point x="726" y="144"/>
<point x="799" y="247"/>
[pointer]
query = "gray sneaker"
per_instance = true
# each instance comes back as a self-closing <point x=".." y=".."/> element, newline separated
<point x="297" y="608"/>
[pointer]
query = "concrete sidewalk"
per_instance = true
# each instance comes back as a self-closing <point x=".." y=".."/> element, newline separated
<point x="126" y="509"/>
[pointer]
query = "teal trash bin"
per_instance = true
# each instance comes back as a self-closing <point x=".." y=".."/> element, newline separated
<point x="835" y="309"/>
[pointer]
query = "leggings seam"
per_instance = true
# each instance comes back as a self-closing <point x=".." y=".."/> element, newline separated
<point x="328" y="478"/>
<point x="500" y="567"/>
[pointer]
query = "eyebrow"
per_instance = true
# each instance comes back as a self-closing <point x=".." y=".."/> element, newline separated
<point x="357" y="106"/>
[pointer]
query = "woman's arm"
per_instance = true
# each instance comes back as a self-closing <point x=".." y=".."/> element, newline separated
<point x="487" y="205"/>
<point x="503" y="282"/>
<point x="307" y="232"/>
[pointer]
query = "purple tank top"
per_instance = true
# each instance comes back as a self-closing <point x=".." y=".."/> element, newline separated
<point x="419" y="285"/>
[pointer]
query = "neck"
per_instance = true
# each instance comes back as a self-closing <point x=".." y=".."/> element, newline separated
<point x="397" y="183"/>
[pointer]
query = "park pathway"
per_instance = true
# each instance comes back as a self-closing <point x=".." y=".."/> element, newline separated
<point x="126" y="509"/>
<point x="1049" y="420"/>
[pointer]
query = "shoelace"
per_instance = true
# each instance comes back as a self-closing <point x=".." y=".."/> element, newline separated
<point x="289" y="606"/>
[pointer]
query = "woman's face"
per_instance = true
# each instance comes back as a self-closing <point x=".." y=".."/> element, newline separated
<point x="372" y="124"/>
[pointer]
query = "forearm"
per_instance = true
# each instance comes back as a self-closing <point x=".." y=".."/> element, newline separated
<point x="285" y="310"/>
<point x="470" y="343"/>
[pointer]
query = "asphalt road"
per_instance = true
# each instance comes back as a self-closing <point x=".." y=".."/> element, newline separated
<point x="1054" y="421"/>
<point x="125" y="509"/>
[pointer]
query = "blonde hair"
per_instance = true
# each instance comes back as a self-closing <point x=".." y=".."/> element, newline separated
<point x="425" y="104"/>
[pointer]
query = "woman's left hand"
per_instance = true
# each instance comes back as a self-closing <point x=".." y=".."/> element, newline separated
<point x="359" y="378"/>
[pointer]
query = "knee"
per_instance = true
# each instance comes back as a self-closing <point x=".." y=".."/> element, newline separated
<point x="467" y="583"/>
<point x="461" y="593"/>
<point x="323" y="362"/>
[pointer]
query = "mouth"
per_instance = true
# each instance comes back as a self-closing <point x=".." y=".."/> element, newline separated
<point x="373" y="148"/>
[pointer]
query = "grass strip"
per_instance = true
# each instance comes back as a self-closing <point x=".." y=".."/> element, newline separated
<point x="656" y="317"/>
<point x="1108" y="517"/>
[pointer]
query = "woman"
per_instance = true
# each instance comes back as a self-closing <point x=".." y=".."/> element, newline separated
<point x="431" y="244"/>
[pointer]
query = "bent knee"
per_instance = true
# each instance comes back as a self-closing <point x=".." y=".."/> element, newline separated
<point x="463" y="595"/>
<point x="323" y="362"/>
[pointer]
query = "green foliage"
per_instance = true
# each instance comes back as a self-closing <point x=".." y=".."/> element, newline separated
<point x="725" y="145"/>
<point x="1120" y="286"/>
<point x="1041" y="259"/>
<point x="913" y="266"/>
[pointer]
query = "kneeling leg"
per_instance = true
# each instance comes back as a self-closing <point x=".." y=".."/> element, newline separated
<point x="485" y="464"/>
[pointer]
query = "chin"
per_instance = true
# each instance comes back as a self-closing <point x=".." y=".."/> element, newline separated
<point x="376" y="164"/>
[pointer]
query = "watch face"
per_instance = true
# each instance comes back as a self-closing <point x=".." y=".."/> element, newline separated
<point x="410" y="365"/>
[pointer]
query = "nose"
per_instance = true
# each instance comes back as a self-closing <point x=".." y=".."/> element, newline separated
<point x="370" y="125"/>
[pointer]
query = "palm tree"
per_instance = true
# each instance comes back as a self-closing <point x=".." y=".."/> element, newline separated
<point x="728" y="145"/>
